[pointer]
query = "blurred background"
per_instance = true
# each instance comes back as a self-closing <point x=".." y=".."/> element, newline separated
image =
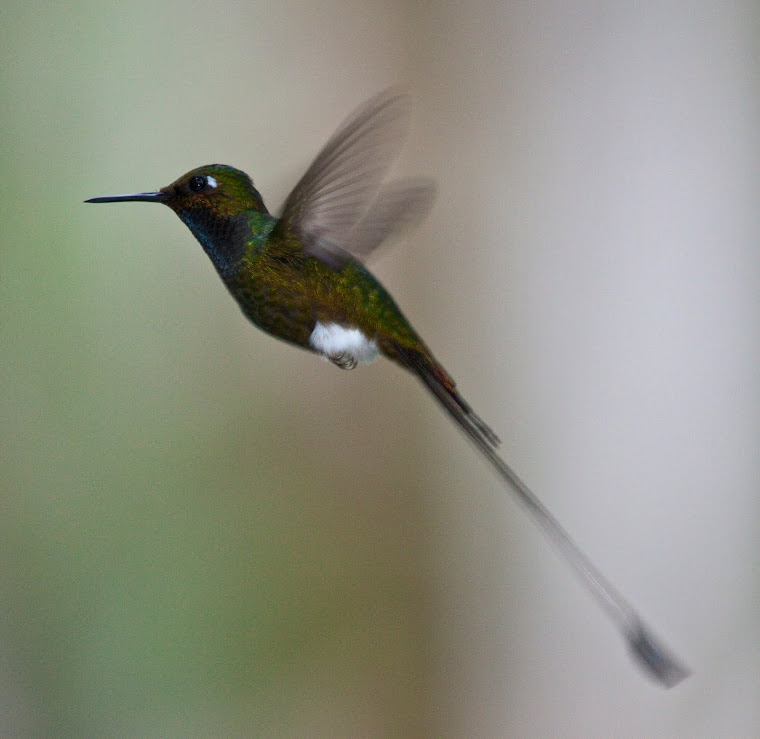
<point x="204" y="532"/>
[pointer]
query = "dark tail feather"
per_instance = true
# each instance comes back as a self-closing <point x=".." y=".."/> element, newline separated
<point x="442" y="387"/>
<point x="652" y="654"/>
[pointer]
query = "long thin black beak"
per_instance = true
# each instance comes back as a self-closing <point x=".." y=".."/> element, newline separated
<point x="143" y="197"/>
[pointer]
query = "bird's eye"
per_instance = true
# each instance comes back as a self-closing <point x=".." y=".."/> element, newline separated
<point x="197" y="183"/>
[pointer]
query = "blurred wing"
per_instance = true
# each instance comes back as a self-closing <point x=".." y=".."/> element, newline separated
<point x="398" y="206"/>
<point x="327" y="206"/>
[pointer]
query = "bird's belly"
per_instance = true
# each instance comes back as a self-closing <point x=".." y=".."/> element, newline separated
<point x="346" y="346"/>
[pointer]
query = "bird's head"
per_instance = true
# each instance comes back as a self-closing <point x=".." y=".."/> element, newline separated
<point x="214" y="188"/>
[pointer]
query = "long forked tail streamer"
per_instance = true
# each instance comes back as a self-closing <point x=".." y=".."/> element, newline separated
<point x="657" y="660"/>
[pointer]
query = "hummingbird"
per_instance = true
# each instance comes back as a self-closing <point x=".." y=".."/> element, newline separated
<point x="301" y="277"/>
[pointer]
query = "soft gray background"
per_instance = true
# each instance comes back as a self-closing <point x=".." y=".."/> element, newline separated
<point x="205" y="532"/>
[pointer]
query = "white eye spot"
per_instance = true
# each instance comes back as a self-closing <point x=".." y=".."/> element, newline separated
<point x="211" y="181"/>
<point x="332" y="340"/>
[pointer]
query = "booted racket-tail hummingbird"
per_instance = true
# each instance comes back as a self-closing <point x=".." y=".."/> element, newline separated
<point x="300" y="277"/>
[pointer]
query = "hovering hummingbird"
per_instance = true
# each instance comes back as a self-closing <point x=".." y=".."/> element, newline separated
<point x="300" y="278"/>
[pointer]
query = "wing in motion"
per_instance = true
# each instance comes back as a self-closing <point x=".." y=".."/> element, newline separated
<point x="341" y="206"/>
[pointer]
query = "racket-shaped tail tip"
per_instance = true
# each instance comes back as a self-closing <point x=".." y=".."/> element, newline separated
<point x="658" y="662"/>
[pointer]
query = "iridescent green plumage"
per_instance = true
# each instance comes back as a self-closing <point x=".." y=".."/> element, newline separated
<point x="299" y="277"/>
<point x="286" y="288"/>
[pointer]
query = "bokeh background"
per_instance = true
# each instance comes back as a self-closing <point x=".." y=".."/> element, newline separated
<point x="204" y="532"/>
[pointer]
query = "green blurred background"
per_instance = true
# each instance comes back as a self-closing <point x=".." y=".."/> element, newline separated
<point x="205" y="532"/>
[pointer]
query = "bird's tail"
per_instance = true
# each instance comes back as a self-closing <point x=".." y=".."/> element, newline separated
<point x="656" y="659"/>
<point x="437" y="380"/>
